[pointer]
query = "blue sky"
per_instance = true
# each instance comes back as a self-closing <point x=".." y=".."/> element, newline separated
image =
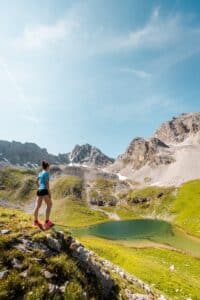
<point x="96" y="71"/>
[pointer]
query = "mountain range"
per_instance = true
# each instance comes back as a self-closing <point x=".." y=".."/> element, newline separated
<point x="30" y="155"/>
<point x="169" y="157"/>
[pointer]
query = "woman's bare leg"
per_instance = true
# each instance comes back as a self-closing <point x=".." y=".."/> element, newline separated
<point x="48" y="202"/>
<point x="37" y="207"/>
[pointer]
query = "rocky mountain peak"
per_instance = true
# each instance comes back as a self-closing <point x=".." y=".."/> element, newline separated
<point x="89" y="155"/>
<point x="179" y="128"/>
<point x="141" y="151"/>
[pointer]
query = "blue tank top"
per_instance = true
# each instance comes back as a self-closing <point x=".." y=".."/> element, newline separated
<point x="42" y="177"/>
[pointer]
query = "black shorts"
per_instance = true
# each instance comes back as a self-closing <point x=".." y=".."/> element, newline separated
<point x="42" y="192"/>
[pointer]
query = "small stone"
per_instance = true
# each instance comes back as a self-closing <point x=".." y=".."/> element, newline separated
<point x="105" y="275"/>
<point x="75" y="246"/>
<point x="84" y="295"/>
<point x="47" y="274"/>
<point x="63" y="287"/>
<point x="52" y="288"/>
<point x="147" y="288"/>
<point x="36" y="259"/>
<point x="80" y="249"/>
<point x="127" y="292"/>
<point x="162" y="298"/>
<point x="122" y="274"/>
<point x="17" y="264"/>
<point x="5" y="231"/>
<point x="24" y="274"/>
<point x="139" y="297"/>
<point x="22" y="248"/>
<point x="171" y="268"/>
<point x="3" y="274"/>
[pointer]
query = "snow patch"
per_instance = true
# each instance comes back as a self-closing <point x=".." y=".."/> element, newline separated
<point x="121" y="177"/>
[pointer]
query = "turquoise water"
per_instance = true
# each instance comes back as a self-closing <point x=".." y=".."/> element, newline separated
<point x="146" y="230"/>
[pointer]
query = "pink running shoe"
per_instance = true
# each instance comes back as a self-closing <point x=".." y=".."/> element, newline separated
<point x="48" y="224"/>
<point x="37" y="223"/>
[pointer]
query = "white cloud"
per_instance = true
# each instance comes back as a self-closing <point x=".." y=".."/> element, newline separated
<point x="171" y="38"/>
<point x="157" y="33"/>
<point x="138" y="73"/>
<point x="45" y="35"/>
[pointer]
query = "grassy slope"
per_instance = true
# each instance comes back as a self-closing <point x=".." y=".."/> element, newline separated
<point x="187" y="207"/>
<point x="123" y="211"/>
<point x="35" y="286"/>
<point x="17" y="185"/>
<point x="73" y="212"/>
<point x="69" y="207"/>
<point x="152" y="265"/>
<point x="157" y="206"/>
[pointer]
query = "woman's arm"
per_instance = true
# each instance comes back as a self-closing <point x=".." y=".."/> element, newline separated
<point x="37" y="182"/>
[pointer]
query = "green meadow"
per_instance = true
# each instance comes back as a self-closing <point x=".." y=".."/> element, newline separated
<point x="152" y="265"/>
<point x="150" y="262"/>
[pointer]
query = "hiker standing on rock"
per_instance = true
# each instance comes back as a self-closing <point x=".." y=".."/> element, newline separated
<point x="43" y="193"/>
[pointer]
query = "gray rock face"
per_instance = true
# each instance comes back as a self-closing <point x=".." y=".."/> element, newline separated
<point x="89" y="155"/>
<point x="27" y="154"/>
<point x="53" y="244"/>
<point x="141" y="151"/>
<point x="179" y="128"/>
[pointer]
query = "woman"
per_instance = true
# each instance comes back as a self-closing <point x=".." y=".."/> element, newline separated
<point x="43" y="193"/>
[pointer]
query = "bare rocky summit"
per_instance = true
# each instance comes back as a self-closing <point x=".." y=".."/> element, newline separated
<point x="89" y="155"/>
<point x="170" y="157"/>
<point x="179" y="128"/>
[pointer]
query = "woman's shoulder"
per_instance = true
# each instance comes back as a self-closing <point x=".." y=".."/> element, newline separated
<point x="46" y="173"/>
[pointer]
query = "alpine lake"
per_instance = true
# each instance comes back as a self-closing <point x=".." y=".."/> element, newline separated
<point x="144" y="233"/>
